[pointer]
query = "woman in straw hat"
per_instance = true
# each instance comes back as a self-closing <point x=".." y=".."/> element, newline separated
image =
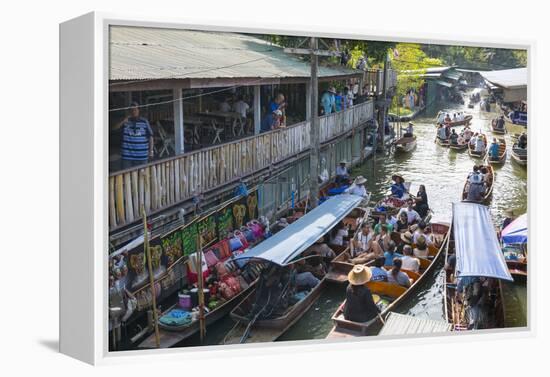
<point x="421" y="249"/>
<point x="358" y="187"/>
<point x="398" y="188"/>
<point x="359" y="305"/>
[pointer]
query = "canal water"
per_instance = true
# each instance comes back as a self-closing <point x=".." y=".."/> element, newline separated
<point x="443" y="172"/>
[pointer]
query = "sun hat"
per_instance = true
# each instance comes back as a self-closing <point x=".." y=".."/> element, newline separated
<point x="397" y="176"/>
<point x="343" y="162"/>
<point x="421" y="242"/>
<point x="360" y="180"/>
<point x="407" y="238"/>
<point x="359" y="275"/>
<point x="332" y="89"/>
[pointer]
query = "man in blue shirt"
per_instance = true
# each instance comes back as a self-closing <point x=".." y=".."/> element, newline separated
<point x="137" y="139"/>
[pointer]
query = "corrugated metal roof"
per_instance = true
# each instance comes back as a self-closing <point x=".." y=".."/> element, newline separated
<point x="140" y="53"/>
<point x="507" y="78"/>
<point x="400" y="324"/>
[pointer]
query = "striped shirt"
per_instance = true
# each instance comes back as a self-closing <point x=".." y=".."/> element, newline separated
<point x="135" y="139"/>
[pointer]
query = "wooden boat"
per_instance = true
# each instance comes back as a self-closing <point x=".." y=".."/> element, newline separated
<point x="282" y="250"/>
<point x="490" y="181"/>
<point x="459" y="147"/>
<point x="473" y="153"/>
<point x="405" y="144"/>
<point x="268" y="330"/>
<point x="467" y="119"/>
<point x="475" y="232"/>
<point x="394" y="293"/>
<point x="519" y="155"/>
<point x="501" y="154"/>
<point x="341" y="266"/>
<point x="500" y="131"/>
<point x="172" y="335"/>
<point x="443" y="143"/>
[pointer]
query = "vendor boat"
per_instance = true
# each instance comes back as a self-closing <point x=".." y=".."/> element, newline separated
<point x="496" y="130"/>
<point x="519" y="155"/>
<point x="261" y="319"/>
<point x="405" y="144"/>
<point x="473" y="153"/>
<point x="482" y="307"/>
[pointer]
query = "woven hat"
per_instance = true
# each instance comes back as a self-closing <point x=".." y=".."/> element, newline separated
<point x="359" y="275"/>
<point x="360" y="180"/>
<point x="343" y="162"/>
<point x="395" y="177"/>
<point x="407" y="237"/>
<point x="421" y="242"/>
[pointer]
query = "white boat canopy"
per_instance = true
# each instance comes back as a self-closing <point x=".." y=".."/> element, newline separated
<point x="293" y="240"/>
<point x="477" y="249"/>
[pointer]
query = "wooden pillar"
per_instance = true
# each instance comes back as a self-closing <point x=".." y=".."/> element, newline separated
<point x="178" y="121"/>
<point x="315" y="147"/>
<point x="308" y="101"/>
<point x="257" y="110"/>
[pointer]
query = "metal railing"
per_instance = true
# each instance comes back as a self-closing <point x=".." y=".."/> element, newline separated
<point x="164" y="183"/>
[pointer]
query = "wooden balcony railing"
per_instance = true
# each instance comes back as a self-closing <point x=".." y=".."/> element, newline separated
<point x="164" y="183"/>
<point x="374" y="81"/>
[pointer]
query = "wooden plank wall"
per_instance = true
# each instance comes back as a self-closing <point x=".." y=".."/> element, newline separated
<point x="164" y="183"/>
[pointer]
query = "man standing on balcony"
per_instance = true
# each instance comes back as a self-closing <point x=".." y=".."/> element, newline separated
<point x="137" y="139"/>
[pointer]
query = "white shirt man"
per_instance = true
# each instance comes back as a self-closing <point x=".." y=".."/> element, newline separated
<point x="441" y="133"/>
<point x="480" y="145"/>
<point x="342" y="170"/>
<point x="241" y="107"/>
<point x="359" y="190"/>
<point x="409" y="262"/>
<point x="362" y="240"/>
<point x="412" y="215"/>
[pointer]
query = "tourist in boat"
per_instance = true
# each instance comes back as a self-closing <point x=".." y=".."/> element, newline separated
<point x="500" y="123"/>
<point x="341" y="232"/>
<point x="398" y="188"/>
<point x="454" y="137"/>
<point x="359" y="305"/>
<point x="342" y="173"/>
<point x="475" y="175"/>
<point x="304" y="277"/>
<point x="402" y="224"/>
<point x="383" y="221"/>
<point x="391" y="253"/>
<point x="421" y="232"/>
<point x="378" y="271"/>
<point x="448" y="119"/>
<point x="473" y="141"/>
<point x="421" y="249"/>
<point x="485" y="175"/>
<point x="476" y="190"/>
<point x="362" y="242"/>
<point x="494" y="150"/>
<point x="383" y="237"/>
<point x="397" y="276"/>
<point x="409" y="130"/>
<point x="442" y="132"/>
<point x="480" y="144"/>
<point x="467" y="134"/>
<point x="455" y="117"/>
<point x="522" y="140"/>
<point x="412" y="216"/>
<point x="441" y="117"/>
<point x="321" y="249"/>
<point x="421" y="202"/>
<point x="358" y="187"/>
<point x="409" y="262"/>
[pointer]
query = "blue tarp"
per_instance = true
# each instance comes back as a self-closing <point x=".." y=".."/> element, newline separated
<point x="293" y="240"/>
<point x="516" y="231"/>
<point x="477" y="248"/>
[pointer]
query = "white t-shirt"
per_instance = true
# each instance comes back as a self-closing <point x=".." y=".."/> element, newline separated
<point x="441" y="133"/>
<point x="412" y="215"/>
<point x="339" y="237"/>
<point x="341" y="170"/>
<point x="410" y="263"/>
<point x="241" y="107"/>
<point x="479" y="144"/>
<point x="357" y="190"/>
<point x="363" y="239"/>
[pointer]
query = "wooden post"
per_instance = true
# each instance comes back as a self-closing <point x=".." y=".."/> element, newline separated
<point x="200" y="283"/>
<point x="257" y="110"/>
<point x="314" y="155"/>
<point x="151" y="275"/>
<point x="178" y="121"/>
<point x="308" y="102"/>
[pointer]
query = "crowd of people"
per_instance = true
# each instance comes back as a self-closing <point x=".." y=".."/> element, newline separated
<point x="333" y="100"/>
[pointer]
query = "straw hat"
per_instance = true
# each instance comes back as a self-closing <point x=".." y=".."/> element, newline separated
<point x="343" y="162"/>
<point x="395" y="177"/>
<point x="407" y="237"/>
<point x="359" y="275"/>
<point x="421" y="242"/>
<point x="360" y="180"/>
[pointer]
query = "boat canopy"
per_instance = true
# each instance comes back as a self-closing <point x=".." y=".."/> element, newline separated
<point x="293" y="240"/>
<point x="516" y="231"/>
<point x="477" y="249"/>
